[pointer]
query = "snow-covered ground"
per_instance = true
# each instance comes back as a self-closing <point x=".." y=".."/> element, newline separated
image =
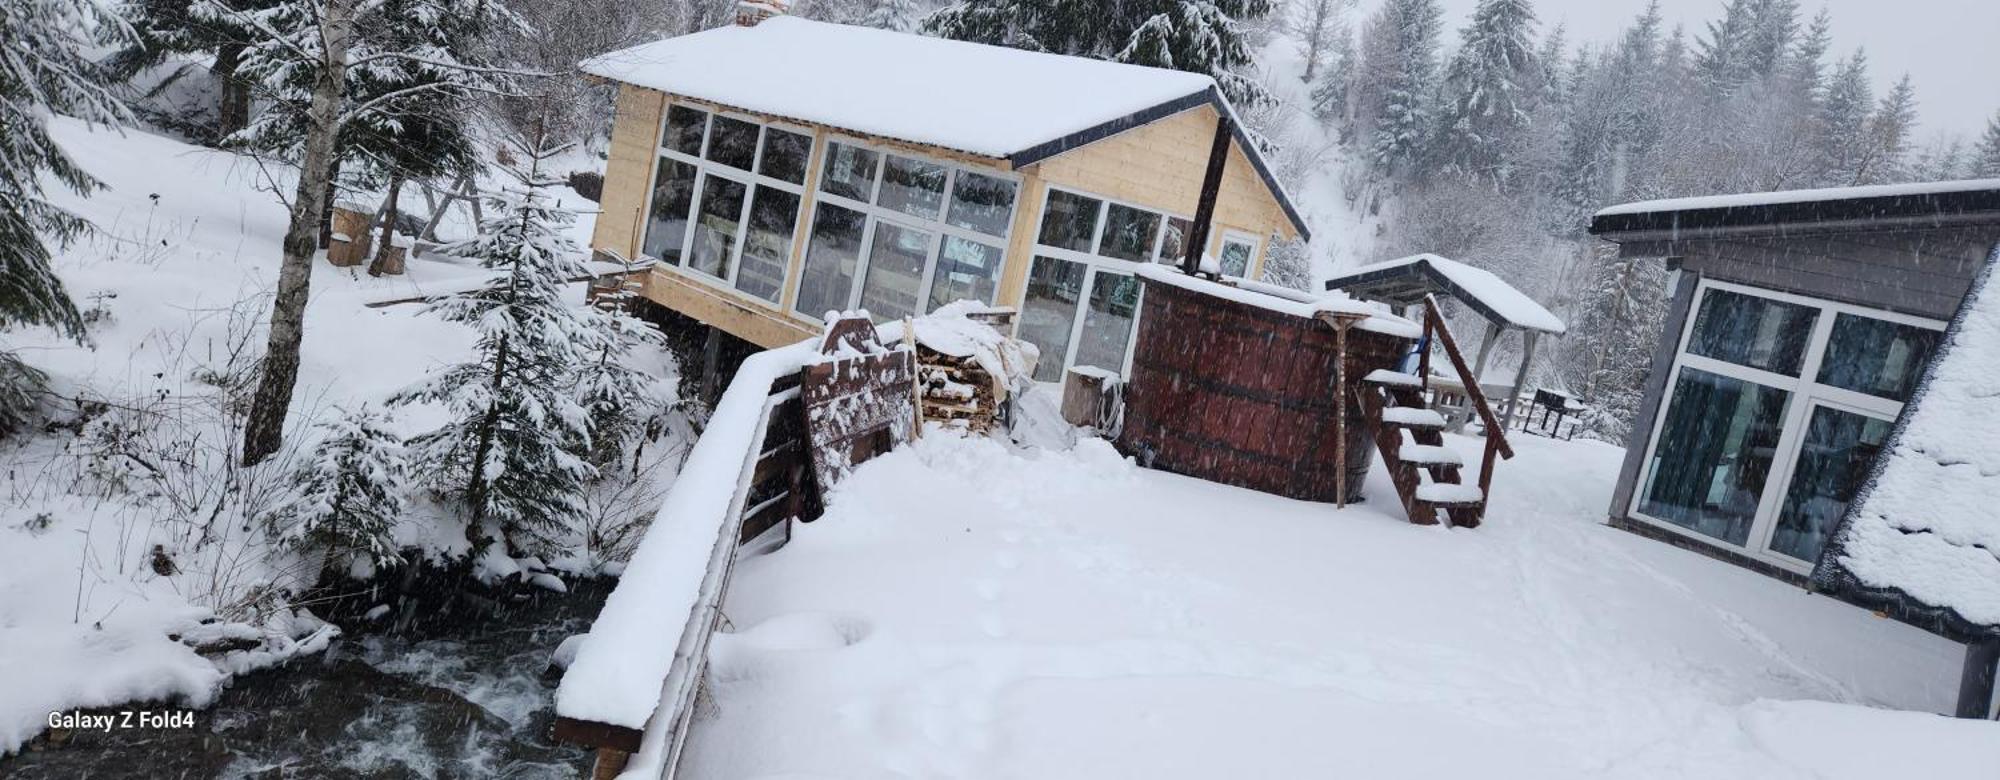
<point x="971" y="609"/>
<point x="175" y="282"/>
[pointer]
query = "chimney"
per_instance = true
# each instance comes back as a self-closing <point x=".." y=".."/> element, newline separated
<point x="750" y="12"/>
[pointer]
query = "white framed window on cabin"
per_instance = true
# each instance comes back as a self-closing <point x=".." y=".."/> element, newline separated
<point x="725" y="200"/>
<point x="1081" y="307"/>
<point x="1775" y="407"/>
<point x="899" y="234"/>
<point x="1238" y="249"/>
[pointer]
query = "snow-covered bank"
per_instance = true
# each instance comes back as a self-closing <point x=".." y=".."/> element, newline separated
<point x="122" y="534"/>
<point x="969" y="610"/>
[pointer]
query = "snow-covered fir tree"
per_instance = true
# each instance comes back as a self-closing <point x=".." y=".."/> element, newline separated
<point x="163" y="28"/>
<point x="898" y="15"/>
<point x="1843" y="122"/>
<point x="511" y="452"/>
<point x="347" y="495"/>
<point x="1399" y="52"/>
<point x="625" y="403"/>
<point x="1885" y="154"/>
<point x="44" y="71"/>
<point x="1986" y="156"/>
<point x="1200" y="36"/>
<point x="1489" y="88"/>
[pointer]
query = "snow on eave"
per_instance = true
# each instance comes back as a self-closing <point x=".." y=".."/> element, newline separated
<point x="1483" y="290"/>
<point x="1920" y="536"/>
<point x="1742" y="200"/>
<point x="983" y="100"/>
<point x="1297" y="304"/>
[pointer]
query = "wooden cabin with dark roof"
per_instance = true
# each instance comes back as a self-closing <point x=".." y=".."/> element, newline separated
<point x="782" y="168"/>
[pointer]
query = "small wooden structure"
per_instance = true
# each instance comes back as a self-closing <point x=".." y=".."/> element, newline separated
<point x="860" y="400"/>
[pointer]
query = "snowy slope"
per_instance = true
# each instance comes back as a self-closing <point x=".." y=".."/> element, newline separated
<point x="967" y="610"/>
<point x="175" y="280"/>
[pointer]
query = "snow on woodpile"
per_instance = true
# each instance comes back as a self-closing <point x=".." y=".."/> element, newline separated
<point x="951" y="330"/>
<point x="1475" y="286"/>
<point x="987" y="100"/>
<point x="1285" y="300"/>
<point x="1925" y="524"/>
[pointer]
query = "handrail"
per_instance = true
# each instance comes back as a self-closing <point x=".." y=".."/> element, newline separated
<point x="1494" y="430"/>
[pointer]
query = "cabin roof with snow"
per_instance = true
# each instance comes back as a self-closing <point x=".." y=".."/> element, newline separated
<point x="1407" y="280"/>
<point x="990" y="101"/>
<point x="1921" y="537"/>
<point x="1927" y="204"/>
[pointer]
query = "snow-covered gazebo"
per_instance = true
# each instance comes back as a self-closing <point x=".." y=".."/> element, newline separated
<point x="1405" y="282"/>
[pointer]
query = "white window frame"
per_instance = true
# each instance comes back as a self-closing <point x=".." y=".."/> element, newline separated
<point x="1232" y="235"/>
<point x="1093" y="261"/>
<point x="1803" y="394"/>
<point x="873" y="215"/>
<point x="751" y="180"/>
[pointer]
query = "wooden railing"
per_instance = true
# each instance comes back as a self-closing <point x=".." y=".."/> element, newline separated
<point x="1496" y="434"/>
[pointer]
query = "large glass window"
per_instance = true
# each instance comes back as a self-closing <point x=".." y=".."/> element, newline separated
<point x="1778" y="408"/>
<point x="1107" y="321"/>
<point x="1714" y="453"/>
<point x="1129" y="233"/>
<point x="924" y="235"/>
<point x="1834" y="458"/>
<point x="1069" y="221"/>
<point x="1877" y="357"/>
<point x="1752" y="331"/>
<point x="1048" y="312"/>
<point x="709" y="213"/>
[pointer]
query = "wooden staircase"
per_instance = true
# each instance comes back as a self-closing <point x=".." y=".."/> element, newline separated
<point x="1409" y="435"/>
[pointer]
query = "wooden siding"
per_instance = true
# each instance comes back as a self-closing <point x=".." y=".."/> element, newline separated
<point x="1920" y="272"/>
<point x="635" y="139"/>
<point x="725" y="309"/>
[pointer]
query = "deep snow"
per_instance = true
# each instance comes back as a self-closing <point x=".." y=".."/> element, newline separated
<point x="967" y="609"/>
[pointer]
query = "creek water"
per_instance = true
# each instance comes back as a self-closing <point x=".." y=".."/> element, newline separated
<point x="468" y="695"/>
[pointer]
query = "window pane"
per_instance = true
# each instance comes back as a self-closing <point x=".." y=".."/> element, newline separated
<point x="1048" y="310"/>
<point x="831" y="257"/>
<point x="1129" y="233"/>
<point x="684" y="127"/>
<point x="733" y="142"/>
<point x="1107" y="321"/>
<point x="1876" y="357"/>
<point x="1838" y="449"/>
<point x="666" y="224"/>
<point x="1752" y="331"/>
<point x="1236" y="258"/>
<point x="1069" y="221"/>
<point x="982" y="203"/>
<point x="895" y="271"/>
<point x="772" y="215"/>
<point x="1714" y="454"/>
<point x="966" y="270"/>
<point x="717" y="225"/>
<point x="1173" y="248"/>
<point x="913" y="187"/>
<point x="785" y="155"/>
<point x="850" y="173"/>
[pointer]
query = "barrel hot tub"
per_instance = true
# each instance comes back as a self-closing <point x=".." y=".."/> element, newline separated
<point x="1236" y="384"/>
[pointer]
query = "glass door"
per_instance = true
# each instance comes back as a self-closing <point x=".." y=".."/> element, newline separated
<point x="1835" y="452"/>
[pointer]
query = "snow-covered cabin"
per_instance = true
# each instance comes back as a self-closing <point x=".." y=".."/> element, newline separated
<point x="1801" y="330"/>
<point x="782" y="168"/>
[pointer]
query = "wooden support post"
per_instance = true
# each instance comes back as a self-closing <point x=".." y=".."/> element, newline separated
<point x="1528" y="339"/>
<point x="1424" y="348"/>
<point x="610" y="763"/>
<point x="1340" y="325"/>
<point x="1211" y="188"/>
<point x="1975" y="682"/>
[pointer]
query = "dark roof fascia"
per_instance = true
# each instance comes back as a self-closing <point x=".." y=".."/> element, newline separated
<point x="1209" y="96"/>
<point x="1830" y="577"/>
<point x="1438" y="281"/>
<point x="1915" y="210"/>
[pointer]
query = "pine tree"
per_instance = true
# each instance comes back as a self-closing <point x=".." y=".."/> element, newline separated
<point x="1551" y="56"/>
<point x="1320" y="25"/>
<point x="509" y="452"/>
<point x="1400" y="49"/>
<point x="1489" y="88"/>
<point x="624" y="402"/>
<point x="1843" y="123"/>
<point x="1807" y="71"/>
<point x="42" y="72"/>
<point x="165" y="27"/>
<point x="1199" y="36"/>
<point x="1986" y="156"/>
<point x="1887" y="145"/>
<point x="348" y="494"/>
<point x="898" y="15"/>
<point x="1748" y="44"/>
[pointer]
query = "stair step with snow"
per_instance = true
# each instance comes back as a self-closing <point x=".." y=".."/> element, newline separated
<point x="1447" y="495"/>
<point x="1429" y="455"/>
<point x="1383" y="376"/>
<point x="1412" y="417"/>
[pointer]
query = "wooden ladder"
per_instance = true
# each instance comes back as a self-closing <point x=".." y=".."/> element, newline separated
<point x="1409" y="435"/>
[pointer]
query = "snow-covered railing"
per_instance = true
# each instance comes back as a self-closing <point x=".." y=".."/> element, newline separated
<point x="630" y="690"/>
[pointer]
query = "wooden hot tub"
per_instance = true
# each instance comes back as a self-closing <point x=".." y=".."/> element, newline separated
<point x="1237" y="385"/>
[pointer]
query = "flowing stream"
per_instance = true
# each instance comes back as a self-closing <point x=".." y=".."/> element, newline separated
<point x="464" y="695"/>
